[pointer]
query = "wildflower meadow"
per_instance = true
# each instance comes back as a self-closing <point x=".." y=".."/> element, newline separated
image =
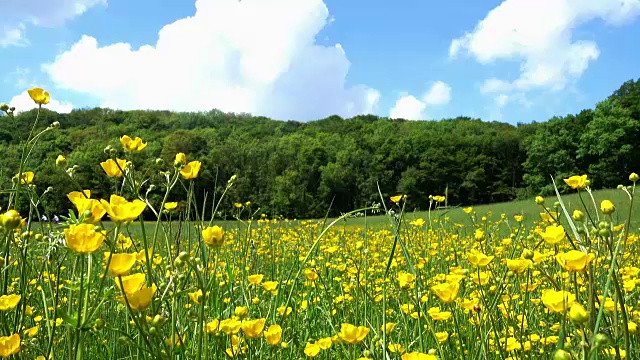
<point x="105" y="283"/>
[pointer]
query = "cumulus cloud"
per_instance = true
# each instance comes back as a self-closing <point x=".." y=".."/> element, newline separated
<point x="540" y="35"/>
<point x="408" y="107"/>
<point x="411" y="108"/>
<point x="23" y="102"/>
<point x="254" y="56"/>
<point x="18" y="14"/>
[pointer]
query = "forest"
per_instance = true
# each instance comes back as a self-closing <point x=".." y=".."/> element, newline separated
<point x="304" y="170"/>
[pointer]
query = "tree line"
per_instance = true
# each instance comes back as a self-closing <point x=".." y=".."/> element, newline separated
<point x="302" y="170"/>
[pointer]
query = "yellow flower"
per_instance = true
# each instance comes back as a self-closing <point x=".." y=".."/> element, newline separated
<point x="213" y="326"/>
<point x="418" y="356"/>
<point x="181" y="159"/>
<point x="213" y="236"/>
<point x="311" y="350"/>
<point x="273" y="334"/>
<point x="353" y="334"/>
<point x="607" y="207"/>
<point x="479" y="235"/>
<point x="447" y="292"/>
<point x="439" y="198"/>
<point x="191" y="170"/>
<point x="122" y="211"/>
<point x="87" y="206"/>
<point x="196" y="296"/>
<point x="9" y="302"/>
<point x="138" y="295"/>
<point x="170" y="205"/>
<point x="388" y="327"/>
<point x="396" y="348"/>
<point x="577" y="181"/>
<point x="468" y="210"/>
<point x="237" y="205"/>
<point x="396" y="199"/>
<point x="39" y="96"/>
<point x="253" y="328"/>
<point x="539" y="200"/>
<point x="519" y="266"/>
<point x="32" y="331"/>
<point x="230" y="326"/>
<point x="549" y="217"/>
<point x="479" y="259"/>
<point x="405" y="279"/>
<point x="574" y="260"/>
<point x="27" y="177"/>
<point x="518" y="218"/>
<point x="270" y="285"/>
<point x="123" y="242"/>
<point x="442" y="336"/>
<point x="557" y="301"/>
<point x="121" y="264"/>
<point x="324" y="343"/>
<point x="132" y="145"/>
<point x="553" y="234"/>
<point x="113" y="168"/>
<point x="9" y="345"/>
<point x="84" y="238"/>
<point x="418" y="222"/>
<point x="10" y="219"/>
<point x="255" y="279"/>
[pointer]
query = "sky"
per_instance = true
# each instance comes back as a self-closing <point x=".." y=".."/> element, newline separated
<point x="510" y="61"/>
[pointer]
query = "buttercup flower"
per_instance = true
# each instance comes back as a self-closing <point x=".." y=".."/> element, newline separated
<point x="111" y="168"/>
<point x="479" y="259"/>
<point x="607" y="207"/>
<point x="213" y="236"/>
<point x="574" y="260"/>
<point x="9" y="345"/>
<point x="557" y="301"/>
<point x="84" y="238"/>
<point x="553" y="234"/>
<point x="253" y="328"/>
<point x="273" y="334"/>
<point x="132" y="145"/>
<point x="447" y="292"/>
<point x="39" y="96"/>
<point x="396" y="199"/>
<point x="27" y="177"/>
<point x="191" y="170"/>
<point x="122" y="211"/>
<point x="91" y="208"/>
<point x="353" y="334"/>
<point x="577" y="181"/>
<point x="121" y="264"/>
<point x="9" y="302"/>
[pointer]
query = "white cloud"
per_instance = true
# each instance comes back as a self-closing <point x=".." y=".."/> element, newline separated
<point x="540" y="35"/>
<point x="23" y="102"/>
<point x="410" y="108"/>
<point x="254" y="56"/>
<point x="439" y="94"/>
<point x="18" y="14"/>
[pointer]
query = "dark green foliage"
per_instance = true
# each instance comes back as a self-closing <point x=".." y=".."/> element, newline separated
<point x="299" y="169"/>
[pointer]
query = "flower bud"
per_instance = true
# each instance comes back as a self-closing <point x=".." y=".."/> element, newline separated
<point x="539" y="200"/>
<point x="556" y="204"/>
<point x="159" y="162"/>
<point x="4" y="107"/>
<point x="10" y="219"/>
<point x="603" y="225"/>
<point x="61" y="161"/>
<point x="577" y="215"/>
<point x="634" y="177"/>
<point x="107" y="150"/>
<point x="55" y="124"/>
<point x="607" y="207"/>
<point x="578" y="314"/>
<point x="528" y="254"/>
<point x="620" y="187"/>
<point x="233" y="179"/>
<point x="601" y="340"/>
<point x="562" y="355"/>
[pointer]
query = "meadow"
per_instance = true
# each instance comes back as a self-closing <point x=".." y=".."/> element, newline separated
<point x="550" y="278"/>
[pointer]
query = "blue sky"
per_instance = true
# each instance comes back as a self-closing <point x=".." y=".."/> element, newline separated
<point x="511" y="60"/>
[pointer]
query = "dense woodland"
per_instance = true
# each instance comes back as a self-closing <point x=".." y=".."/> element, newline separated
<point x="301" y="170"/>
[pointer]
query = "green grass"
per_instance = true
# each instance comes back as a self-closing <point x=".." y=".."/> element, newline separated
<point x="528" y="208"/>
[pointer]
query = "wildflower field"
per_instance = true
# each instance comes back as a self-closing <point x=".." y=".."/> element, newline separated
<point x="559" y="282"/>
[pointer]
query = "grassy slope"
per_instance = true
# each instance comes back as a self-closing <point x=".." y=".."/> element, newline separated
<point x="528" y="208"/>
